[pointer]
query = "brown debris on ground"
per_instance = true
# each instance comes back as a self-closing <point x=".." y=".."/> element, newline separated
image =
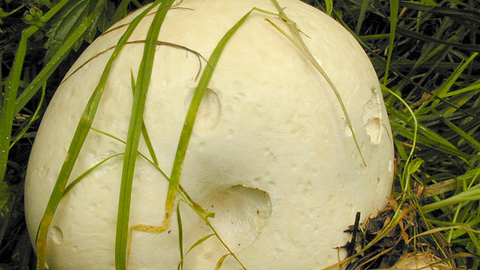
<point x="395" y="241"/>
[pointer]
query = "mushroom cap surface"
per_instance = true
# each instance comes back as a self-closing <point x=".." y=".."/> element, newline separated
<point x="271" y="153"/>
<point x="420" y="260"/>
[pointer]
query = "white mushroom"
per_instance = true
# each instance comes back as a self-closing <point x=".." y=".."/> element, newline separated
<point x="420" y="260"/>
<point x="271" y="153"/>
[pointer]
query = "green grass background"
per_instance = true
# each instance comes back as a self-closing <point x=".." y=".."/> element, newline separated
<point x="425" y="54"/>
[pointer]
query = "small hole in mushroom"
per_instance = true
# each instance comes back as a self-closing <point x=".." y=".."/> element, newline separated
<point x="57" y="235"/>
<point x="208" y="114"/>
<point x="379" y="181"/>
<point x="240" y="215"/>
<point x="207" y="255"/>
<point x="372" y="117"/>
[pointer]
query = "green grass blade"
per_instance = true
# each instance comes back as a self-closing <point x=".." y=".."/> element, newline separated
<point x="159" y="43"/>
<point x="149" y="144"/>
<point x="33" y="118"/>
<point x="220" y="262"/>
<point x="445" y="87"/>
<point x="87" y="172"/>
<point x="142" y="155"/>
<point x="8" y="102"/>
<point x="180" y="237"/>
<point x="406" y="79"/>
<point x="300" y="44"/>
<point x="466" y="196"/>
<point x="470" y="15"/>
<point x="329" y="5"/>
<point x="133" y="135"/>
<point x="470" y="88"/>
<point x="7" y="110"/>
<point x="399" y="119"/>
<point x="198" y="242"/>
<point x="79" y="137"/>
<point x="50" y="67"/>
<point x="146" y="137"/>
<point x="405" y="181"/>
<point x="415" y="35"/>
<point x="467" y="137"/>
<point x="394" y="6"/>
<point x="225" y="245"/>
<point x="204" y="214"/>
<point x="190" y="120"/>
<point x="361" y="16"/>
<point x="120" y="12"/>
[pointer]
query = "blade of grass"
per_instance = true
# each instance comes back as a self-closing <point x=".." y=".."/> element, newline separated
<point x="146" y="137"/>
<point x="190" y="120"/>
<point x="472" y="194"/>
<point x="220" y="262"/>
<point x="198" y="242"/>
<point x="174" y="185"/>
<point x="405" y="181"/>
<point x="406" y="78"/>
<point x="120" y="12"/>
<point x="180" y="237"/>
<point x="394" y="6"/>
<point x="361" y="16"/>
<point x="133" y="135"/>
<point x="50" y="67"/>
<point x="87" y="172"/>
<point x="445" y="87"/>
<point x="300" y="44"/>
<point x="415" y="35"/>
<point x="224" y="244"/>
<point x="33" y="118"/>
<point x="139" y="153"/>
<point x="467" y="137"/>
<point x="471" y="15"/>
<point x="425" y="135"/>
<point x="473" y="87"/>
<point x="329" y="5"/>
<point x="8" y="111"/>
<point x="159" y="43"/>
<point x="79" y="137"/>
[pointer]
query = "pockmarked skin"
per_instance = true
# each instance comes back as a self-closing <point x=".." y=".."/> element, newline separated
<point x="271" y="153"/>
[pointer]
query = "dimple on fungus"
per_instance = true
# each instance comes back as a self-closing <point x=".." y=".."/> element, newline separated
<point x="283" y="160"/>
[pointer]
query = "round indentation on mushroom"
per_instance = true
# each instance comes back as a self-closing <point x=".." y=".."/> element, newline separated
<point x="372" y="117"/>
<point x="57" y="235"/>
<point x="240" y="215"/>
<point x="208" y="113"/>
<point x="390" y="165"/>
<point x="43" y="171"/>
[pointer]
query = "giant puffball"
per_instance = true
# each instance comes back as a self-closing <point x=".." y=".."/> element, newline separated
<point x="271" y="153"/>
